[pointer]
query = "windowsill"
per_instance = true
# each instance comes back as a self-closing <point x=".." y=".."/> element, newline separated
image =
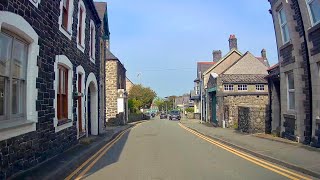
<point x="7" y="125"/>
<point x="314" y="28"/>
<point x="65" y="29"/>
<point x="79" y="46"/>
<point x="63" y="121"/>
<point x="290" y="114"/>
<point x="65" y="32"/>
<point x="92" y="60"/>
<point x="285" y="45"/>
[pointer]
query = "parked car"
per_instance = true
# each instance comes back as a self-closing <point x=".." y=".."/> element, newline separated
<point x="163" y="116"/>
<point x="174" y="115"/>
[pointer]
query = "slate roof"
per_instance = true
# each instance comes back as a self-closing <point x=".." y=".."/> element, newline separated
<point x="203" y="67"/>
<point x="110" y="56"/>
<point x="243" y="78"/>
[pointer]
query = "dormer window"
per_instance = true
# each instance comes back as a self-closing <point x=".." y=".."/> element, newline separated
<point x="92" y="41"/>
<point x="65" y="18"/>
<point x="81" y="26"/>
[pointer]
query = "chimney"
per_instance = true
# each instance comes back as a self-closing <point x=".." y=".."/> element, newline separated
<point x="264" y="54"/>
<point x="233" y="44"/>
<point x="216" y="55"/>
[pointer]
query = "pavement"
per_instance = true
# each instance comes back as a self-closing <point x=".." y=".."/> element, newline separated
<point x="62" y="165"/>
<point x="163" y="150"/>
<point x="290" y="154"/>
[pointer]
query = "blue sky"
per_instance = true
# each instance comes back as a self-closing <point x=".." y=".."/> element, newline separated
<point x="163" y="39"/>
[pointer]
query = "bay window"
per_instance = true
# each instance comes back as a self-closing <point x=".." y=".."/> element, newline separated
<point x="13" y="65"/>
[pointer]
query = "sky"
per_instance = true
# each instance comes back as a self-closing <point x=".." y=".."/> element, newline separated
<point x="160" y="41"/>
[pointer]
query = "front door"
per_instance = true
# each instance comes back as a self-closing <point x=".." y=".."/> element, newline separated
<point x="214" y="107"/>
<point x="89" y="111"/>
<point x="80" y="103"/>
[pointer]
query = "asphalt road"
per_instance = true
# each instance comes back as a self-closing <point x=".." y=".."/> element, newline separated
<point x="162" y="150"/>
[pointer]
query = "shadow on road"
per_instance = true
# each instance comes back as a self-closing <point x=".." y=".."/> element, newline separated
<point x="111" y="156"/>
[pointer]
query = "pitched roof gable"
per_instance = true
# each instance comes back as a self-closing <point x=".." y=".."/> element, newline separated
<point x="233" y="51"/>
<point x="247" y="64"/>
<point x="110" y="56"/>
<point x="101" y="8"/>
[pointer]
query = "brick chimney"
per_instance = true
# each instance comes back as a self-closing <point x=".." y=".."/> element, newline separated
<point x="216" y="55"/>
<point x="264" y="54"/>
<point x="233" y="44"/>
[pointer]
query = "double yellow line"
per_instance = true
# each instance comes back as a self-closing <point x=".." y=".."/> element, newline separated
<point x="265" y="164"/>
<point x="98" y="155"/>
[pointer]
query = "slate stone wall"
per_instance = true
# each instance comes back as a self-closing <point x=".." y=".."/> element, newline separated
<point x="252" y="119"/>
<point x="28" y="150"/>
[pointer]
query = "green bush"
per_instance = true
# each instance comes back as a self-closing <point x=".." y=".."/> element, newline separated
<point x="190" y="109"/>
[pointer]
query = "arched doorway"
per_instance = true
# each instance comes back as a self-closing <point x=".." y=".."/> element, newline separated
<point x="92" y="105"/>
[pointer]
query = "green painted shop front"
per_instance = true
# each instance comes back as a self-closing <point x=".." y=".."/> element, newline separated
<point x="213" y="98"/>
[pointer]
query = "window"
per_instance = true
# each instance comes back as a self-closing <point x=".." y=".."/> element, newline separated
<point x="314" y="10"/>
<point x="284" y="26"/>
<point x="291" y="94"/>
<point x="66" y="18"/>
<point x="63" y="86"/>
<point x="228" y="87"/>
<point x="62" y="106"/>
<point x="81" y="26"/>
<point x="260" y="87"/>
<point x="65" y="13"/>
<point x="92" y="40"/>
<point x="242" y="87"/>
<point x="13" y="71"/>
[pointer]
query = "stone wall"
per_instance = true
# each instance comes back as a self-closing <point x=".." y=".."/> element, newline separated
<point x="111" y="89"/>
<point x="231" y="104"/>
<point x="28" y="150"/>
<point x="251" y="119"/>
<point x="115" y="79"/>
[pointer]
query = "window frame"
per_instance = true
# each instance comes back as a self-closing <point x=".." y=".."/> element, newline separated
<point x="283" y="24"/>
<point x="62" y="97"/>
<point x="242" y="87"/>
<point x="228" y="87"/>
<point x="8" y="115"/>
<point x="92" y="45"/>
<point x="81" y="26"/>
<point x="290" y="90"/>
<point x="310" y="12"/>
<point x="260" y="87"/>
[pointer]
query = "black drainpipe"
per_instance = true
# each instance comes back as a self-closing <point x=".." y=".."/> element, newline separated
<point x="308" y="141"/>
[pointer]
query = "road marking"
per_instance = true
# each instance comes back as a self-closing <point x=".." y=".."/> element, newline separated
<point x="98" y="155"/>
<point x="274" y="168"/>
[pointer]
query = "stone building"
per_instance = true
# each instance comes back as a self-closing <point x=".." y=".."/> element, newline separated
<point x="228" y="85"/>
<point x="129" y="85"/>
<point x="116" y="93"/>
<point x="49" y="96"/>
<point x="195" y="94"/>
<point x="104" y="45"/>
<point x="296" y="92"/>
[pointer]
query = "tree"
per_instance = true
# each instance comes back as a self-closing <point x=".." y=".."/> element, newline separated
<point x="160" y="103"/>
<point x="140" y="97"/>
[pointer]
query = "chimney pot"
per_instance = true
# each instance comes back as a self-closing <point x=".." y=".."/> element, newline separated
<point x="233" y="42"/>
